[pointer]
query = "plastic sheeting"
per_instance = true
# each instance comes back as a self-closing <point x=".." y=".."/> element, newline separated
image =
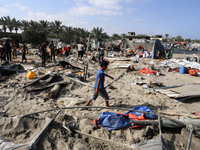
<point x="157" y="47"/>
<point x="142" y="108"/>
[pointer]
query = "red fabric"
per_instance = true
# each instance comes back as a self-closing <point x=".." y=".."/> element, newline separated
<point x="193" y="72"/>
<point x="67" y="49"/>
<point x="196" y="114"/>
<point x="177" y="70"/>
<point x="94" y="122"/>
<point x="136" y="118"/>
<point x="147" y="71"/>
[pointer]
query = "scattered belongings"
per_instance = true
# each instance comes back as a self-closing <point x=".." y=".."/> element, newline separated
<point x="63" y="82"/>
<point x="31" y="74"/>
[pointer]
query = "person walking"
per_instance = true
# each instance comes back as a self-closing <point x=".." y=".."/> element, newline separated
<point x="99" y="88"/>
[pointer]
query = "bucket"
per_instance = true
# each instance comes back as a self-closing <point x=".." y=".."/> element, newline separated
<point x="30" y="75"/>
<point x="182" y="70"/>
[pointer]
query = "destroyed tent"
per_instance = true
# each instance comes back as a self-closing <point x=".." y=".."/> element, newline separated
<point x="158" y="50"/>
<point x="11" y="69"/>
<point x="170" y="53"/>
<point x="45" y="82"/>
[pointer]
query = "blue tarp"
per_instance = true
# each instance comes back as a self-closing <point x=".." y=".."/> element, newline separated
<point x="157" y="47"/>
<point x="114" y="121"/>
<point x="142" y="108"/>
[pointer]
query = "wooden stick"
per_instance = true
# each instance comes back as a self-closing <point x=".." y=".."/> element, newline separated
<point x="176" y="114"/>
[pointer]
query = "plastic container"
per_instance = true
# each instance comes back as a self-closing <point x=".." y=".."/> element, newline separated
<point x="182" y="70"/>
<point x="30" y="75"/>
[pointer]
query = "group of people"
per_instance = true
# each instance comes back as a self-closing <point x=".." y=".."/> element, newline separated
<point x="8" y="50"/>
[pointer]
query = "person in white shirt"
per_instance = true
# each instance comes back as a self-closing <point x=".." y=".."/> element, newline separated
<point x="81" y="49"/>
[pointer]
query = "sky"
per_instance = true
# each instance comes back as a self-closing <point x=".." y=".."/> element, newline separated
<point x="150" y="17"/>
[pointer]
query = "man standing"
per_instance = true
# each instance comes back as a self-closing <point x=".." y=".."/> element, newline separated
<point x="81" y="49"/>
<point x="2" y="51"/>
<point x="8" y="50"/>
<point x="14" y="49"/>
<point x="101" y="53"/>
<point x="42" y="47"/>
<point x="23" y="47"/>
<point x="52" y="48"/>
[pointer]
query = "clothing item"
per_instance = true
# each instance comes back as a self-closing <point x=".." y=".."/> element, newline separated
<point x="101" y="75"/>
<point x="8" y="48"/>
<point x="102" y="93"/>
<point x="80" y="53"/>
<point x="52" y="55"/>
<point x="80" y="47"/>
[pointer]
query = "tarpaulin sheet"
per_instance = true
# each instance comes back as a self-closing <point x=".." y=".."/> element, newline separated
<point x="114" y="121"/>
<point x="142" y="108"/>
<point x="157" y="47"/>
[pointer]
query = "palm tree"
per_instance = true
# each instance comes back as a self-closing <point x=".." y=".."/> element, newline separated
<point x="69" y="31"/>
<point x="83" y="34"/>
<point x="16" y="24"/>
<point x="34" y="33"/>
<point x="105" y="36"/>
<point x="97" y="32"/>
<point x="44" y="25"/>
<point x="77" y="35"/>
<point x="123" y="36"/>
<point x="116" y="36"/>
<point x="56" y="27"/>
<point x="3" y="23"/>
<point x="9" y="23"/>
<point x="24" y="25"/>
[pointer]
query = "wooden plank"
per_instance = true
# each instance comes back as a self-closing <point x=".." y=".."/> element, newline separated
<point x="173" y="95"/>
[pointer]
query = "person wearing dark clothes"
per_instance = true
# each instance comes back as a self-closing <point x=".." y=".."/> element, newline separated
<point x="23" y="47"/>
<point x="2" y="51"/>
<point x="52" y="48"/>
<point x="8" y="50"/>
<point x="43" y="51"/>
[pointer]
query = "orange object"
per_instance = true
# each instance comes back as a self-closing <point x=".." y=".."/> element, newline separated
<point x="193" y="72"/>
<point x="31" y="75"/>
<point x="147" y="71"/>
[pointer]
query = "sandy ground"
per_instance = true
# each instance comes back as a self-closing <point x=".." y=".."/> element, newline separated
<point x="16" y="100"/>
